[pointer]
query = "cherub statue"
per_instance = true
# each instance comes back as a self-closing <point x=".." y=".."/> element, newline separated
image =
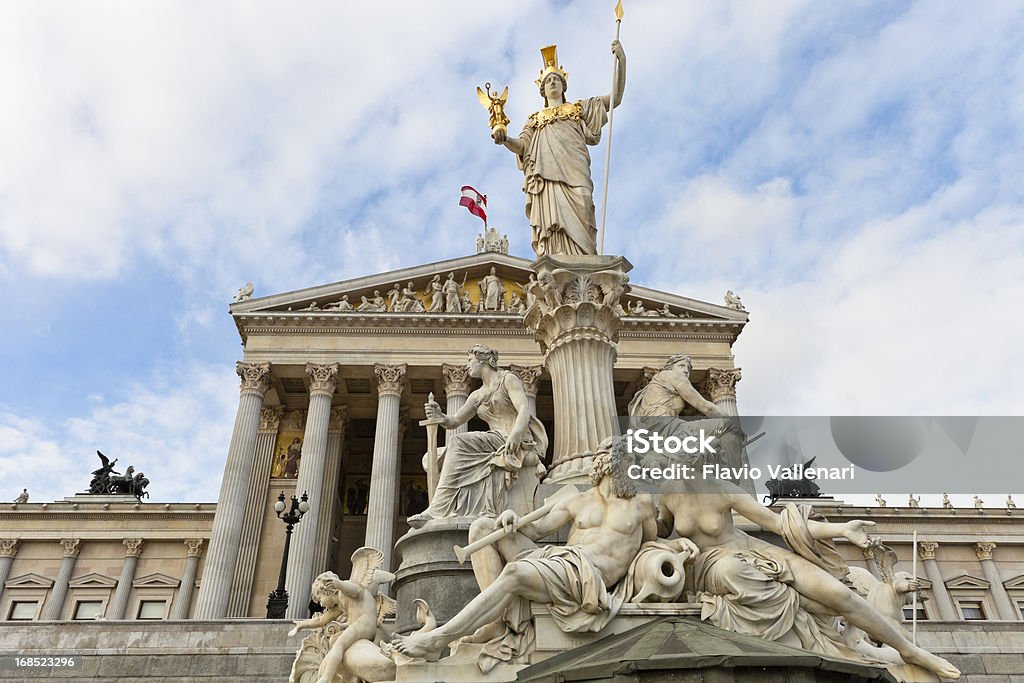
<point x="244" y="293"/>
<point x="880" y="500"/>
<point x="1010" y="505"/>
<point x="946" y="502"/>
<point x="357" y="607"/>
<point x="979" y="504"/>
<point x="495" y="106"/>
<point x="914" y="502"/>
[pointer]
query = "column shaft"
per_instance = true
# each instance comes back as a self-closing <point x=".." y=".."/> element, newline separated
<point x="328" y="503"/>
<point x="179" y="609"/>
<point x="456" y="390"/>
<point x="54" y="607"/>
<point x="310" y="480"/>
<point x="947" y="612"/>
<point x="453" y="405"/>
<point x="255" y="510"/>
<point x="119" y="604"/>
<point x="581" y="377"/>
<point x="8" y="548"/>
<point x="1004" y="606"/>
<point x="380" y="515"/>
<point x="225" y="538"/>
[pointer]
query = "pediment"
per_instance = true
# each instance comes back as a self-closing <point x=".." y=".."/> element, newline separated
<point x="156" y="580"/>
<point x="93" y="580"/>
<point x="1016" y="582"/>
<point x="29" y="581"/>
<point x="967" y="581"/>
<point x="385" y="304"/>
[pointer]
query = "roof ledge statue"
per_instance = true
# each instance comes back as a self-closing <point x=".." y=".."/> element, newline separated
<point x="105" y="481"/>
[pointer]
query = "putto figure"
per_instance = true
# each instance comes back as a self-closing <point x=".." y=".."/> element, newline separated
<point x="552" y="153"/>
<point x="358" y="610"/>
<point x="480" y="467"/>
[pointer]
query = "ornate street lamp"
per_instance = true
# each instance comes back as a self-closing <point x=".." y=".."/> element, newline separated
<point x="278" y="601"/>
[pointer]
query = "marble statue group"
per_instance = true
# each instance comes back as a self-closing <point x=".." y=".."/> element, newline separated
<point x="623" y="545"/>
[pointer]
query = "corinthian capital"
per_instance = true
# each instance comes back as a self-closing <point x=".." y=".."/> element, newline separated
<point x="722" y="383"/>
<point x="71" y="546"/>
<point x="323" y="379"/>
<point x="926" y="549"/>
<point x="133" y="547"/>
<point x="270" y="418"/>
<point x="456" y="379"/>
<point x="8" y="547"/>
<point x="195" y="546"/>
<point x="983" y="549"/>
<point x="390" y="378"/>
<point x="530" y="375"/>
<point x="255" y="377"/>
<point x="338" y="419"/>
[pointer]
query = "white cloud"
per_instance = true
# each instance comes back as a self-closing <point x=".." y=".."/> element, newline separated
<point x="175" y="429"/>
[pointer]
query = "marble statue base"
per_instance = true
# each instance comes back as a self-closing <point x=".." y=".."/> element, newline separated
<point x="429" y="570"/>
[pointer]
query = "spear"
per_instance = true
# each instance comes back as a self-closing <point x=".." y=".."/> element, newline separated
<point x="611" y="117"/>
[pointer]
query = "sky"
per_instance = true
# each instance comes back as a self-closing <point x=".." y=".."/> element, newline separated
<point x="853" y="170"/>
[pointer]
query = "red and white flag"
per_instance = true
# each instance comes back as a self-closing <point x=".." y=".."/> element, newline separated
<point x="475" y="202"/>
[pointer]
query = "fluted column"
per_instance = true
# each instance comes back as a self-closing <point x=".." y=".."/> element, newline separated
<point x="927" y="550"/>
<point x="722" y="388"/>
<point x="179" y="610"/>
<point x="1004" y="606"/>
<point x="328" y="496"/>
<point x="55" y="605"/>
<point x="225" y="538"/>
<point x="380" y="514"/>
<point x="8" y="549"/>
<point x="575" y="320"/>
<point x="456" y="390"/>
<point x="323" y="380"/>
<point x="255" y="511"/>
<point x="119" y="604"/>
<point x="530" y="375"/>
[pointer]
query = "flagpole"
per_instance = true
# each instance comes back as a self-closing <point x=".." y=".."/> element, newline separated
<point x="611" y="118"/>
<point x="913" y="603"/>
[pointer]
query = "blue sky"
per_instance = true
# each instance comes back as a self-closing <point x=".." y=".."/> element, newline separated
<point x="853" y="170"/>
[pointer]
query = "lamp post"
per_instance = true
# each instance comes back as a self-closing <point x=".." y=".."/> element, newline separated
<point x="278" y="601"/>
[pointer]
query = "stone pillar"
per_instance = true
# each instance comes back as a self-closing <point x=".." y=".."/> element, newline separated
<point x="721" y="387"/>
<point x="179" y="610"/>
<point x="225" y="538"/>
<point x="1004" y="606"/>
<point x="530" y="375"/>
<point x="947" y="612"/>
<point x="8" y="549"/>
<point x="118" y="606"/>
<point x="380" y="514"/>
<point x="576" y="323"/>
<point x="456" y="389"/>
<point x="329" y="496"/>
<point x="255" y="510"/>
<point x="323" y="380"/>
<point x="55" y="605"/>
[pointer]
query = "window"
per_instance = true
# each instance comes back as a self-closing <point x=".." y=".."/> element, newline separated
<point x="88" y="609"/>
<point x="908" y="613"/>
<point x="152" y="609"/>
<point x="1020" y="606"/>
<point x="972" y="610"/>
<point x="23" y="610"/>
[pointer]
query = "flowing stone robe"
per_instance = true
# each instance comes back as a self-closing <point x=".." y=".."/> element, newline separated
<point x="556" y="176"/>
<point x="471" y="484"/>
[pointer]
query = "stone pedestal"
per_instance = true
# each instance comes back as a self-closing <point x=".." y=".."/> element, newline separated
<point x="428" y="570"/>
<point x="576" y="322"/>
